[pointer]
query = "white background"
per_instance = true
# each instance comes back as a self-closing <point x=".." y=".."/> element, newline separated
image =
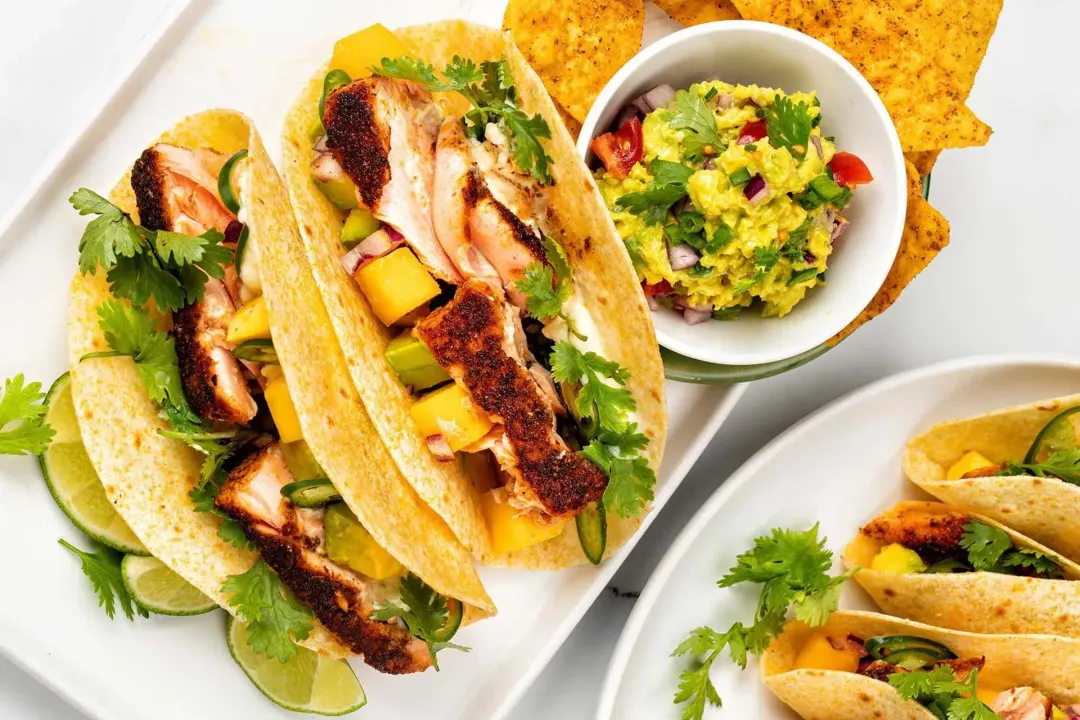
<point x="1008" y="282"/>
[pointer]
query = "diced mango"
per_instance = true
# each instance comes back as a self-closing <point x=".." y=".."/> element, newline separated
<point x="971" y="461"/>
<point x="358" y="52"/>
<point x="349" y="543"/>
<point x="986" y="694"/>
<point x="250" y="322"/>
<point x="511" y="531"/>
<point x="396" y="284"/>
<point x="898" y="559"/>
<point x="283" y="411"/>
<point x="819" y="654"/>
<point x="1056" y="713"/>
<point x="450" y="412"/>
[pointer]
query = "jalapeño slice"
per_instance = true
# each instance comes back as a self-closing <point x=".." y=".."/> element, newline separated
<point x="241" y="246"/>
<point x="907" y="651"/>
<point x="454" y="613"/>
<point x="314" y="493"/>
<point x="592" y="531"/>
<point x="224" y="182"/>
<point x="260" y="350"/>
<point x="1058" y="434"/>
<point x="333" y="80"/>
<point x="951" y="565"/>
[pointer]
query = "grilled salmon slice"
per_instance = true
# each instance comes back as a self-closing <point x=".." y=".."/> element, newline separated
<point x="479" y="205"/>
<point x="1022" y="703"/>
<point x="474" y="338"/>
<point x="292" y="541"/>
<point x="933" y="535"/>
<point x="381" y="132"/>
<point x="176" y="189"/>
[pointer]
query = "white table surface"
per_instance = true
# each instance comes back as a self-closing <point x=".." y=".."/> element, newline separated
<point x="1007" y="282"/>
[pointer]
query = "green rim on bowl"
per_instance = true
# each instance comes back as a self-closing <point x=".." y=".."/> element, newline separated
<point x="684" y="369"/>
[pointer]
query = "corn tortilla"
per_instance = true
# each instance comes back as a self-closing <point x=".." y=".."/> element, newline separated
<point x="973" y="601"/>
<point x="1044" y="509"/>
<point x="1049" y="664"/>
<point x="696" y="12"/>
<point x="603" y="274"/>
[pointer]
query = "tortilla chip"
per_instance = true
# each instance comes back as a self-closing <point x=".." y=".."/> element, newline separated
<point x="575" y="46"/>
<point x="1050" y="664"/>
<point x="921" y="56"/>
<point x="1045" y="509"/>
<point x="923" y="161"/>
<point x="925" y="234"/>
<point x="696" y="12"/>
<point x="982" y="602"/>
<point x="572" y="125"/>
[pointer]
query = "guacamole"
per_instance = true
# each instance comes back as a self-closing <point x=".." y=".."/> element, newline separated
<point x="727" y="196"/>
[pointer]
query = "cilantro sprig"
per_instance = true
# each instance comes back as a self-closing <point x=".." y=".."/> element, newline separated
<point x="693" y="114"/>
<point x="991" y="549"/>
<point x="788" y="124"/>
<point x="103" y="569"/>
<point x="142" y="265"/>
<point x="792" y="568"/>
<point x="943" y="694"/>
<point x="22" y="427"/>
<point x="490" y="89"/>
<point x="275" y="618"/>
<point x="1062" y="464"/>
<point x="668" y="187"/>
<point x="424" y="612"/>
<point x="547" y="286"/>
<point x="765" y="259"/>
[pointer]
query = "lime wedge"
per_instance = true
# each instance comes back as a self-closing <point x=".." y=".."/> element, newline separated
<point x="308" y="683"/>
<point x="154" y="587"/>
<point x="72" y="480"/>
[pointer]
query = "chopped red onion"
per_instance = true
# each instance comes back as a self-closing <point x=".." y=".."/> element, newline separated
<point x="725" y="101"/>
<point x="1073" y="711"/>
<point x="653" y="305"/>
<point x="838" y="228"/>
<point x="439" y="447"/>
<point x="750" y="101"/>
<point x="679" y="302"/>
<point x="817" y="146"/>
<point x="824" y="219"/>
<point x="627" y="114"/>
<point x="374" y="246"/>
<point x="682" y="256"/>
<point x="756" y="190"/>
<point x="697" y="314"/>
<point x="320" y="145"/>
<point x="233" y="230"/>
<point x="657" y="97"/>
<point x="709" y="164"/>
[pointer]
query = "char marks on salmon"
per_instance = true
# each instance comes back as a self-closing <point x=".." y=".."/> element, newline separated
<point x="933" y="535"/>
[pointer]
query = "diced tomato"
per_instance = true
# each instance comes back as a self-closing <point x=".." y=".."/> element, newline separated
<point x="752" y="132"/>
<point x="622" y="149"/>
<point x="652" y="290"/>
<point x="849" y="169"/>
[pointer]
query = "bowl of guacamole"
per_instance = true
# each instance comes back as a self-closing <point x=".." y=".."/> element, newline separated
<point x="757" y="184"/>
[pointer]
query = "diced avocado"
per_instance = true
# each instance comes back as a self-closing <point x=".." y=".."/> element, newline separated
<point x="413" y="363"/>
<point x="349" y="543"/>
<point x="898" y="559"/>
<point x="358" y="225"/>
<point x="301" y="461"/>
<point x="341" y="192"/>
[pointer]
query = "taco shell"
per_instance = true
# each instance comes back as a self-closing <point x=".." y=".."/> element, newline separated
<point x="147" y="476"/>
<point x="1045" y="509"/>
<point x="1049" y="664"/>
<point x="973" y="601"/>
<point x="602" y="271"/>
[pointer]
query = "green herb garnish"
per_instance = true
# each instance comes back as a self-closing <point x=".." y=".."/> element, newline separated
<point x="103" y="569"/>
<point x="1062" y="464"/>
<point x="765" y="259"/>
<point x="22" y="428"/>
<point x="548" y="286"/>
<point x="788" y="124"/>
<point x="667" y="188"/>
<point x="940" y="692"/>
<point x="270" y="610"/>
<point x="693" y="114"/>
<point x="424" y="612"/>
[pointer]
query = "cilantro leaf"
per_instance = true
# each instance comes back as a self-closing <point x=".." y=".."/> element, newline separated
<point x="110" y="235"/>
<point x="630" y="479"/>
<point x="666" y="172"/>
<point x="1039" y="563"/>
<point x="816" y="607"/>
<point x="459" y="73"/>
<point x="547" y="285"/>
<point x="794" y="247"/>
<point x="668" y="187"/>
<point x="788" y="124"/>
<point x="270" y="610"/>
<point x="609" y="403"/>
<point x="141" y="278"/>
<point x="1062" y="464"/>
<point x="131" y="332"/>
<point x="103" y="569"/>
<point x="765" y="259"/>
<point x="524" y="134"/>
<point x="22" y="428"/>
<point x="424" y="612"/>
<point x="986" y="545"/>
<point x="940" y="691"/>
<point x="695" y="116"/>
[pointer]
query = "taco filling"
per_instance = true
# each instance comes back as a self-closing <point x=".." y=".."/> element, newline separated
<point x="230" y="401"/>
<point x="924" y="540"/>
<point x="452" y="243"/>
<point x="925" y="671"/>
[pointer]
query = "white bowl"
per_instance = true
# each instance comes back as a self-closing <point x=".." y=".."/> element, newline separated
<point x="738" y="51"/>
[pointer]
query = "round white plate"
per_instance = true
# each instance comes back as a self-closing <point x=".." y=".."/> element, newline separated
<point x="838" y="467"/>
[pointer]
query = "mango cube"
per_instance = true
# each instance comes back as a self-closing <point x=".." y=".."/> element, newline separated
<point x="358" y="52"/>
<point x="511" y="531"/>
<point x="283" y="411"/>
<point x="250" y="322"/>
<point x="396" y="284"/>
<point x="970" y="461"/>
<point x="818" y="653"/>
<point x="450" y="412"/>
<point x="898" y="559"/>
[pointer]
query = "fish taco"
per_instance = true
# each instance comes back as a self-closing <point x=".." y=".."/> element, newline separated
<point x="939" y="564"/>
<point x="215" y="405"/>
<point x="1020" y="466"/>
<point x="864" y="666"/>
<point x="489" y="315"/>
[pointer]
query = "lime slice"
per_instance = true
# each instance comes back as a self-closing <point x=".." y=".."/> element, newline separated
<point x="72" y="480"/>
<point x="308" y="683"/>
<point x="154" y="587"/>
